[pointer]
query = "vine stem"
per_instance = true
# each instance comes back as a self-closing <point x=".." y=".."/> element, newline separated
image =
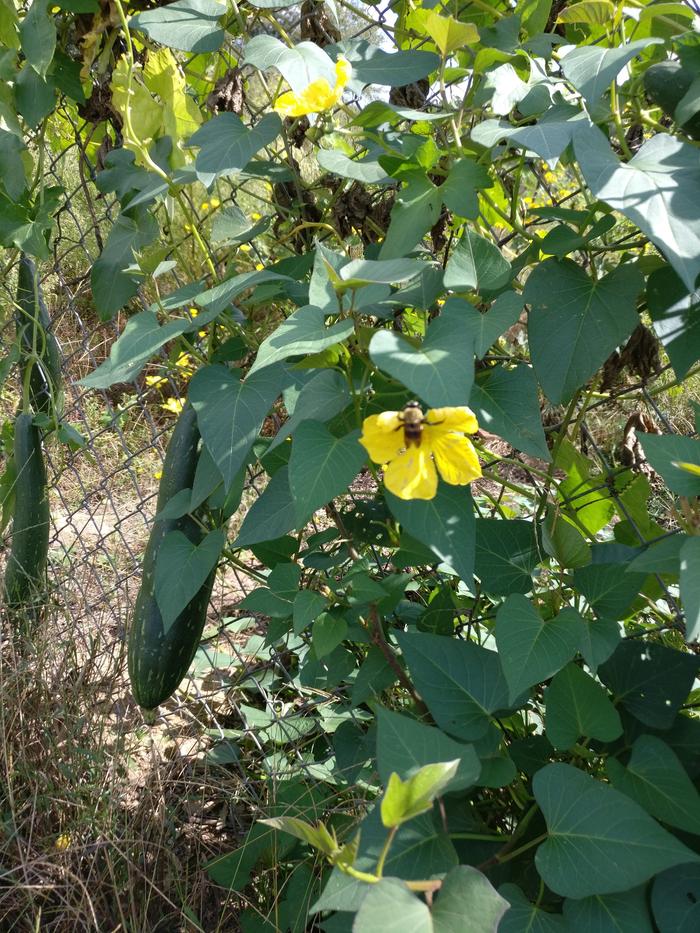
<point x="379" y="639"/>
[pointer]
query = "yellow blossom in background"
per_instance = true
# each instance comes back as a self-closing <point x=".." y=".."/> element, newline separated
<point x="205" y="205"/>
<point x="63" y="842"/>
<point x="158" y="474"/>
<point x="259" y="266"/>
<point x="411" y="472"/>
<point x="193" y="312"/>
<point x="155" y="381"/>
<point x="214" y="203"/>
<point x="317" y="96"/>
<point x="174" y="405"/>
<point x="245" y="247"/>
<point x="255" y="216"/>
<point x="184" y="361"/>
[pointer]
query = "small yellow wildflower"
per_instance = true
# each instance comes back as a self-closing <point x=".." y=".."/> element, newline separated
<point x="174" y="405"/>
<point x="158" y="474"/>
<point x="201" y="333"/>
<point x="245" y="247"/>
<point x="317" y="96"/>
<point x="259" y="266"/>
<point x="193" y="312"/>
<point x="184" y="361"/>
<point x="63" y="842"/>
<point x="187" y="228"/>
<point x="155" y="381"/>
<point x="214" y="203"/>
<point x="255" y="216"/>
<point x="205" y="205"/>
<point x="410" y="470"/>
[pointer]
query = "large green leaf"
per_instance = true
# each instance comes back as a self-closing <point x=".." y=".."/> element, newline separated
<point x="610" y="913"/>
<point x="609" y="588"/>
<point x="532" y="650"/>
<point x="445" y="524"/>
<point x="37" y="33"/>
<point x="230" y="412"/>
<point x="690" y="587"/>
<point x="506" y="555"/>
<point x="360" y="272"/>
<point x="182" y="569"/>
<point x="459" y="190"/>
<point x="599" y="639"/>
<point x="675" y="899"/>
<point x="270" y="516"/>
<point x="476" y="265"/>
<point x="656" y="779"/>
<point x="321" y="466"/>
<point x="548" y="137"/>
<point x="403" y="745"/>
<point x="302" y="333"/>
<point x="524" y="917"/>
<point x="416" y="209"/>
<point x="299" y="64"/>
<point x="655" y="190"/>
<point x="576" y="322"/>
<point x="487" y="327"/>
<point x="226" y="144"/>
<point x="441" y="370"/>
<point x="35" y="95"/>
<point x="461" y="682"/>
<point x="599" y="841"/>
<point x="372" y="65"/>
<point x="112" y="284"/>
<point x="190" y="25"/>
<point x="675" y="314"/>
<point x="320" y="399"/>
<point x="650" y="680"/>
<point x="11" y="164"/>
<point x="506" y="403"/>
<point x="390" y="907"/>
<point x="142" y="337"/>
<point x="592" y="69"/>
<point x="578" y="706"/>
<point x="665" y="451"/>
<point x="368" y="171"/>
<point x="467" y="903"/>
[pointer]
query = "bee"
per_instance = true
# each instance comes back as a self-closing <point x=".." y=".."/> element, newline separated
<point x="412" y="420"/>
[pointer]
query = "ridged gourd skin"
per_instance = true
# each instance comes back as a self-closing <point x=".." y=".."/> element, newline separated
<point x="158" y="660"/>
<point x="25" y="573"/>
<point x="36" y="336"/>
<point x="666" y="84"/>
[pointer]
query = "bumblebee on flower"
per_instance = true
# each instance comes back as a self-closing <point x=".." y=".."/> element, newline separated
<point x="414" y="447"/>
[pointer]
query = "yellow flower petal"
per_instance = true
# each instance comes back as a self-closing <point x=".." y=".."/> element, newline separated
<point x="343" y="70"/>
<point x="382" y="436"/>
<point x="205" y="205"/>
<point x="452" y="419"/>
<point x="412" y="475"/>
<point x="215" y="202"/>
<point x="456" y="459"/>
<point x="288" y="105"/>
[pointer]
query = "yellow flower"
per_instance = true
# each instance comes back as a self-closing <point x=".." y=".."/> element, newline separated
<point x="245" y="247"/>
<point x="174" y="405"/>
<point x="63" y="842"/>
<point x="410" y="471"/>
<point x="205" y="205"/>
<point x="255" y="216"/>
<point x="317" y="96"/>
<point x="155" y="381"/>
<point x="184" y="361"/>
<point x="193" y="312"/>
<point x="158" y="474"/>
<point x="259" y="266"/>
<point x="214" y="203"/>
